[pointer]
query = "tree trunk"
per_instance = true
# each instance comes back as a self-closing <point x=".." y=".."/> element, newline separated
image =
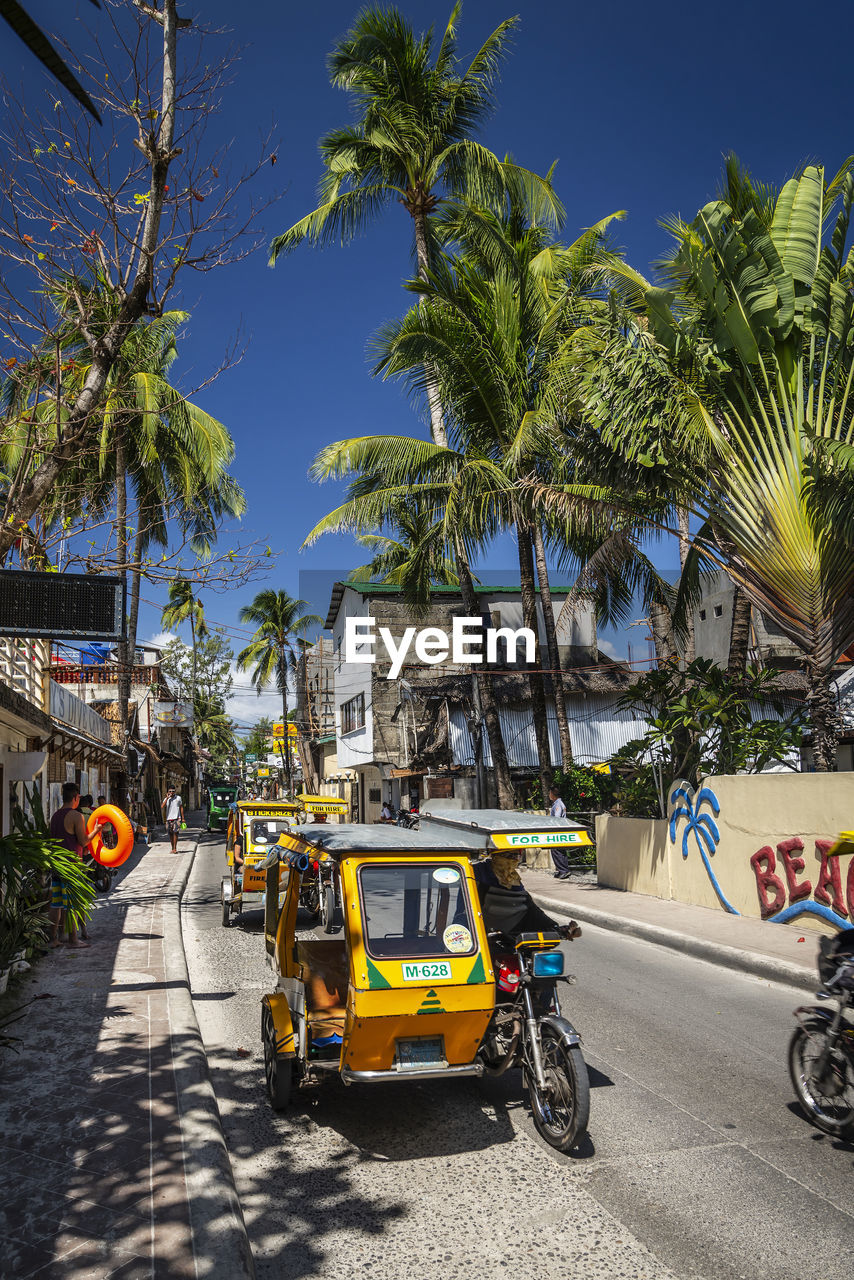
<point x="684" y="548"/>
<point x="661" y="625"/>
<point x="500" y="763"/>
<point x="124" y="681"/>
<point x="535" y="675"/>
<point x="739" y="633"/>
<point x="437" y="422"/>
<point x="551" y="641"/>
<point x="823" y="714"/>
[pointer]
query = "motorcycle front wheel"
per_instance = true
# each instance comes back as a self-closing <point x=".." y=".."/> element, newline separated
<point x="562" y="1111"/>
<point x="824" y="1084"/>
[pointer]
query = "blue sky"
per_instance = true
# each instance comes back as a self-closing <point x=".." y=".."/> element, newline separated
<point x="638" y="103"/>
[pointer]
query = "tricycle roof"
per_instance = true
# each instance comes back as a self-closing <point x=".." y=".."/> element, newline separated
<point x="321" y="804"/>
<point x="267" y="808"/>
<point x="384" y="841"/>
<point x="493" y="828"/>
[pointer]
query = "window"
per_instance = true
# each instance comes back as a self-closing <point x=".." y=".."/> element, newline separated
<point x="416" y="910"/>
<point x="353" y="714"/>
<point x="702" y="615"/>
<point x="719" y="610"/>
<point x="268" y="830"/>
<point x="375" y="796"/>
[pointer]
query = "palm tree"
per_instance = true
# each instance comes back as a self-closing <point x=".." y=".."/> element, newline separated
<point x="386" y="472"/>
<point x="185" y="606"/>
<point x="413" y="142"/>
<point x="416" y="559"/>
<point x="272" y="651"/>
<point x="160" y="458"/>
<point x="748" y="361"/>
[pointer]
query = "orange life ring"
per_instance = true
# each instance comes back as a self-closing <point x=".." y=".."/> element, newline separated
<point x="123" y="827"/>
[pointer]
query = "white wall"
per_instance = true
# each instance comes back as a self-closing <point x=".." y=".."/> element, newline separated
<point x="351" y="679"/>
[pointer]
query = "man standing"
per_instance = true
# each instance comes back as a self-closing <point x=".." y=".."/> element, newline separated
<point x="67" y="826"/>
<point x="174" y="809"/>
<point x="557" y="809"/>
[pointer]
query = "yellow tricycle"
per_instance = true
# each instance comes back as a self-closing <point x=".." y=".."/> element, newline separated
<point x="254" y="825"/>
<point x="408" y="991"/>
<point x="321" y="893"/>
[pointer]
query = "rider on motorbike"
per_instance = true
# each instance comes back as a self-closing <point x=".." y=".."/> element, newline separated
<point x="507" y="906"/>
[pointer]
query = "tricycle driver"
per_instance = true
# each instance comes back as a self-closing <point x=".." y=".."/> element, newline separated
<point x="507" y="906"/>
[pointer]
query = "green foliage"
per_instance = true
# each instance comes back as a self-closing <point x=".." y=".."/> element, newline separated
<point x="213" y="678"/>
<point x="26" y="864"/>
<point x="257" y="741"/>
<point x="701" y="721"/>
<point x="581" y="789"/>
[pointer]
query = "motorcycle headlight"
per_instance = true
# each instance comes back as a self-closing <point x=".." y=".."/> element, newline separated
<point x="548" y="964"/>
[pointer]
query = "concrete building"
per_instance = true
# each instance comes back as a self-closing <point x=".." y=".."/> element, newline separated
<point x="407" y="738"/>
<point x="713" y="623"/>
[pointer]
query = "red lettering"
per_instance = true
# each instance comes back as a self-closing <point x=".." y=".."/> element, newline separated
<point x="767" y="883"/>
<point x="829" y="878"/>
<point x="849" y="889"/>
<point x="793" y="866"/>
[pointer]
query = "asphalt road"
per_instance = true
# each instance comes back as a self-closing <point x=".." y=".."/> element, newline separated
<point x="698" y="1164"/>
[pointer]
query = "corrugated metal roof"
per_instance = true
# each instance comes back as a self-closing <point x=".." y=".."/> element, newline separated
<point x="597" y="730"/>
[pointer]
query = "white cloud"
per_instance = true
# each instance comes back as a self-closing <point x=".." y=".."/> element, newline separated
<point x="161" y="640"/>
<point x="609" y="649"/>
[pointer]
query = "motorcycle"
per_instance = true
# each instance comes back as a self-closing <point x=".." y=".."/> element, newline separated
<point x="821" y="1050"/>
<point x="528" y="1030"/>
<point x="408" y="818"/>
<point x="101" y="877"/>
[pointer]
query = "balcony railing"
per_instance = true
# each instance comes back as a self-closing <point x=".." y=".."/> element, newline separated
<point x="102" y="673"/>
<point x="22" y="666"/>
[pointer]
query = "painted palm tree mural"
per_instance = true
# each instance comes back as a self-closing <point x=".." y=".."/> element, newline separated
<point x="700" y="809"/>
<point x="702" y="826"/>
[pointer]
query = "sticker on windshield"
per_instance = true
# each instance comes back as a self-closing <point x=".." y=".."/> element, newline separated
<point x="446" y="875"/>
<point x="457" y="938"/>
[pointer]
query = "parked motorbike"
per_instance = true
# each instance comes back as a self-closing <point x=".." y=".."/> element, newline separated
<point x="408" y="818"/>
<point x="101" y="877"/>
<point x="528" y="1030"/>
<point x="821" y="1051"/>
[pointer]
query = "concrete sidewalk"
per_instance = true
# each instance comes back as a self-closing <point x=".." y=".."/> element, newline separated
<point x="114" y="1162"/>
<point x="781" y="953"/>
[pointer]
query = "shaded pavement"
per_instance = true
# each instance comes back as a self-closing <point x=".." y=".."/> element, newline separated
<point x="113" y="1161"/>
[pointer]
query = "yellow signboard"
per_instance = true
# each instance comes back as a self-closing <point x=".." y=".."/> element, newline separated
<point x="263" y="771"/>
<point x="538" y="839"/>
<point x="279" y="731"/>
<point x="322" y="804"/>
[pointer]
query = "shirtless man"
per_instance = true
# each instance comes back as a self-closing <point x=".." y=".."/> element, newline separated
<point x="67" y="826"/>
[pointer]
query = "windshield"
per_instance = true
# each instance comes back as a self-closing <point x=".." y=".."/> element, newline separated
<point x="416" y="910"/>
<point x="223" y="797"/>
<point x="267" y="830"/>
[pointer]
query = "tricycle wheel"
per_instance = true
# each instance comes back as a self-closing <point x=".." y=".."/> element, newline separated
<point x="561" y="1113"/>
<point x="278" y="1071"/>
<point x="327" y="908"/>
<point x="226" y="915"/>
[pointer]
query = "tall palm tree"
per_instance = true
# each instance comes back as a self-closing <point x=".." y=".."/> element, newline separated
<point x="748" y="359"/>
<point x="413" y="141"/>
<point x="273" y="650"/>
<point x="496" y="325"/>
<point x="185" y="606"/>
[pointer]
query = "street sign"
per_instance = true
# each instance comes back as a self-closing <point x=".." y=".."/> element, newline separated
<point x="61" y="606"/>
<point x="249" y="758"/>
<point x="263" y="771"/>
<point x="278" y="731"/>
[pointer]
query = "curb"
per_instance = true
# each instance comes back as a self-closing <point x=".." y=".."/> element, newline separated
<point x="220" y="1242"/>
<point x="717" y="953"/>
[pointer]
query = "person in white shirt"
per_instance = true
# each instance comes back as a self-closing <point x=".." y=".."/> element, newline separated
<point x="557" y="809"/>
<point x="173" y="806"/>
<point x="386" y="815"/>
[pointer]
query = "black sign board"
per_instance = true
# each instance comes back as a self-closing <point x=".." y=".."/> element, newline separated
<point x="61" y="606"/>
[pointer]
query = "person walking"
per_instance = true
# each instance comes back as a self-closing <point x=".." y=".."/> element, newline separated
<point x="67" y="826"/>
<point x="557" y="809"/>
<point x="173" y="806"/>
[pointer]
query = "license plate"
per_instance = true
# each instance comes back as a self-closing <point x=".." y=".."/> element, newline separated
<point x="421" y="1053"/>
<point x="428" y="971"/>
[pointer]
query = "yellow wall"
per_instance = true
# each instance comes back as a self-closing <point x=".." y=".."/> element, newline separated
<point x="769" y="812"/>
